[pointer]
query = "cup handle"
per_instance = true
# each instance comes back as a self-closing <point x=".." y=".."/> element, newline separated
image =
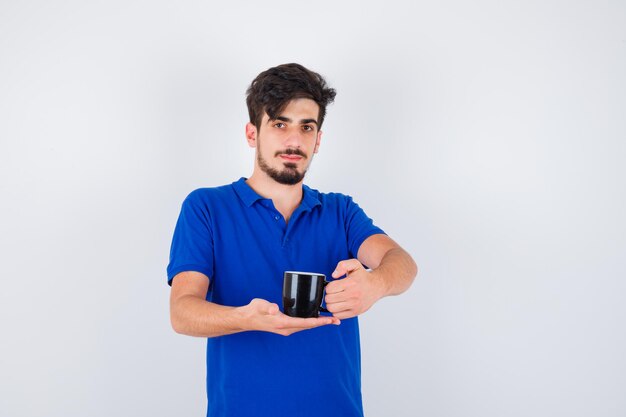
<point x="322" y="309"/>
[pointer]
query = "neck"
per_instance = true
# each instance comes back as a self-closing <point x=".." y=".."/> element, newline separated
<point x="286" y="198"/>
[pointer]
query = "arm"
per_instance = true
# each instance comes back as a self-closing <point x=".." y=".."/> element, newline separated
<point x="393" y="272"/>
<point x="192" y="315"/>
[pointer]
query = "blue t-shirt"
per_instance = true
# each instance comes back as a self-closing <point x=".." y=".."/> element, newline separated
<point x="243" y="244"/>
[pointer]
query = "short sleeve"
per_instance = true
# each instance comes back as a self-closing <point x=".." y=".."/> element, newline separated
<point x="192" y="244"/>
<point x="358" y="227"/>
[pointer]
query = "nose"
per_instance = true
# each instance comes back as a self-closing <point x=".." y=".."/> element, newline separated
<point x="294" y="139"/>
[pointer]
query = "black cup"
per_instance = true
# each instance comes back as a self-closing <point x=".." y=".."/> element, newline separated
<point x="303" y="293"/>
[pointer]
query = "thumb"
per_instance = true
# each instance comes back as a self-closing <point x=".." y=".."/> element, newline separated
<point x="262" y="306"/>
<point x="345" y="267"/>
<point x="272" y="309"/>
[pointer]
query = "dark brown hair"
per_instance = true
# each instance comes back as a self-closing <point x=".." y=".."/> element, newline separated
<point x="273" y="89"/>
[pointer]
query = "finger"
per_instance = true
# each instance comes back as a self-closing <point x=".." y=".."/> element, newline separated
<point x="335" y="287"/>
<point x="347" y="314"/>
<point x="332" y="320"/>
<point x="344" y="310"/>
<point x="345" y="267"/>
<point x="338" y="286"/>
<point x="308" y="323"/>
<point x="340" y="307"/>
<point x="335" y="296"/>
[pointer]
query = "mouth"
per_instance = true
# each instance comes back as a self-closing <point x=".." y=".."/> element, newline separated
<point x="290" y="157"/>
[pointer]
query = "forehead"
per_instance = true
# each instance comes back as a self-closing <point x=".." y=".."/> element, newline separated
<point x="298" y="109"/>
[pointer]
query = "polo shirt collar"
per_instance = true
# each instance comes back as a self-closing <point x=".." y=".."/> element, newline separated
<point x="245" y="192"/>
<point x="249" y="196"/>
<point x="310" y="198"/>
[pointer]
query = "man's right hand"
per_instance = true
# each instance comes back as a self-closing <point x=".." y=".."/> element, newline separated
<point x="262" y="315"/>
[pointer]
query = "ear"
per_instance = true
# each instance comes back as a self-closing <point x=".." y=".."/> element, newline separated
<point x="317" y="141"/>
<point x="251" y="134"/>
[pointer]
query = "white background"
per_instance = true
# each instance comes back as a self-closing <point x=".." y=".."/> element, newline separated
<point x="488" y="138"/>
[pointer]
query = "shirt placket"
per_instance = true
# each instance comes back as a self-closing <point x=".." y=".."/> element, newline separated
<point x="280" y="226"/>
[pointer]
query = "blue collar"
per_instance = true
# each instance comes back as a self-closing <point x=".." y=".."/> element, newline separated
<point x="310" y="197"/>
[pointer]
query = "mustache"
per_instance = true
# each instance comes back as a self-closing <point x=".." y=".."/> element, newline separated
<point x="291" y="151"/>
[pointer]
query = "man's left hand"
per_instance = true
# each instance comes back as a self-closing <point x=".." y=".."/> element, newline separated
<point x="356" y="293"/>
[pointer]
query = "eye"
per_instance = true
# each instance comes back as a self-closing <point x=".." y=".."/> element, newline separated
<point x="279" y="125"/>
<point x="307" y="128"/>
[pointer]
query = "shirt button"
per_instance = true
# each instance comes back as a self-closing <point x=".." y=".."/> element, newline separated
<point x="275" y="217"/>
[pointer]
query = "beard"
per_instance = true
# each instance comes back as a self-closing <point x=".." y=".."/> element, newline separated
<point x="289" y="175"/>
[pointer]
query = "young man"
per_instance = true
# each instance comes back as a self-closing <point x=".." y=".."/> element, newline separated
<point x="233" y="243"/>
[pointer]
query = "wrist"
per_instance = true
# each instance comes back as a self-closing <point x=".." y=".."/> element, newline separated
<point x="381" y="287"/>
<point x="242" y="318"/>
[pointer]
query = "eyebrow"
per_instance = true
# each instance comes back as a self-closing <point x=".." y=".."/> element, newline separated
<point x="302" y="122"/>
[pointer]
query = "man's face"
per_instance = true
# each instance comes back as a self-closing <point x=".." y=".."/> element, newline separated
<point x="285" y="146"/>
